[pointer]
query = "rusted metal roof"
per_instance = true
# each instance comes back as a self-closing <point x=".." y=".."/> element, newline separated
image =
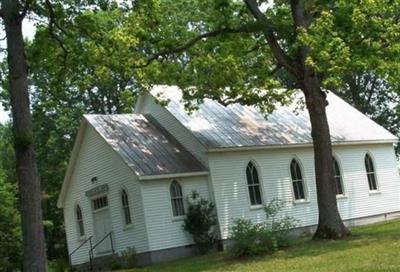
<point x="218" y="126"/>
<point x="144" y="145"/>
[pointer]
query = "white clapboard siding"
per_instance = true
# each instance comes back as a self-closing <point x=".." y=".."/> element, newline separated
<point x="164" y="231"/>
<point x="97" y="159"/>
<point x="173" y="126"/>
<point x="228" y="176"/>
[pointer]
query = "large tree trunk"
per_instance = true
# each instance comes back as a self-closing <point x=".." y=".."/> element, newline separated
<point x="330" y="225"/>
<point x="34" y="251"/>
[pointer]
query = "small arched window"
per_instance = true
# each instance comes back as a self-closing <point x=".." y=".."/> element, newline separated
<point x="125" y="208"/>
<point x="79" y="221"/>
<point x="370" y="168"/>
<point x="253" y="184"/>
<point x="175" y="191"/>
<point x="338" y="177"/>
<point x="297" y="180"/>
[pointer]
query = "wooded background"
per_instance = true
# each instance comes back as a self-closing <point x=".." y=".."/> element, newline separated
<point x="98" y="56"/>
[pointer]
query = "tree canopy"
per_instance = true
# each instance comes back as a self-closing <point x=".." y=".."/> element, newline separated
<point x="97" y="56"/>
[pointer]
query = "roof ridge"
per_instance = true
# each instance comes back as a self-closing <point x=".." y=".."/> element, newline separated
<point x="289" y="124"/>
<point x="109" y="114"/>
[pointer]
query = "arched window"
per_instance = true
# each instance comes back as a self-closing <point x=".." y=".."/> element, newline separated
<point x="297" y="180"/>
<point x="369" y="167"/>
<point x="79" y="221"/>
<point x="338" y="177"/>
<point x="175" y="191"/>
<point x="125" y="207"/>
<point x="253" y="184"/>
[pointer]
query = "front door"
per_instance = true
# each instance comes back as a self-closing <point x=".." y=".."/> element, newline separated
<point x="102" y="225"/>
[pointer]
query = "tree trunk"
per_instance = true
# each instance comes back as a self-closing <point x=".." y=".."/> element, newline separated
<point x="330" y="225"/>
<point x="34" y="251"/>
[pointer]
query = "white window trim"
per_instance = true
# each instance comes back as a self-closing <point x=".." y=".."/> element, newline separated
<point x="378" y="189"/>
<point x="125" y="225"/>
<point x="99" y="196"/>
<point x="261" y="185"/>
<point x="176" y="217"/>
<point x="256" y="207"/>
<point x="301" y="201"/>
<point x="374" y="192"/>
<point x="306" y="198"/>
<point x="344" y="189"/>
<point x="80" y="237"/>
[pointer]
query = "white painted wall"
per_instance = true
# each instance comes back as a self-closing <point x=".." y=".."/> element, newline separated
<point x="230" y="188"/>
<point x="97" y="159"/>
<point x="155" y="228"/>
<point x="173" y="126"/>
<point x="165" y="231"/>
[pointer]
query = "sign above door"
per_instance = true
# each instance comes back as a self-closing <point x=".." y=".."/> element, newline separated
<point x="97" y="190"/>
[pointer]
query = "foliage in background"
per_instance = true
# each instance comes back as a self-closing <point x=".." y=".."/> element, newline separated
<point x="106" y="44"/>
<point x="200" y="221"/>
<point x="60" y="265"/>
<point x="10" y="229"/>
<point x="249" y="239"/>
<point x="96" y="74"/>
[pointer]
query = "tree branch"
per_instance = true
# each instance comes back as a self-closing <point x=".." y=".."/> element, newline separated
<point x="300" y="18"/>
<point x="193" y="41"/>
<point x="25" y="9"/>
<point x="276" y="49"/>
<point x="52" y="23"/>
<point x="299" y="21"/>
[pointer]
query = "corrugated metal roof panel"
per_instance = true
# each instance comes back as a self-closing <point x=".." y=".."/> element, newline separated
<point x="144" y="145"/>
<point x="218" y="126"/>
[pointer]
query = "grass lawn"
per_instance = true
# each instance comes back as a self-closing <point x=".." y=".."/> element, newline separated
<point x="371" y="248"/>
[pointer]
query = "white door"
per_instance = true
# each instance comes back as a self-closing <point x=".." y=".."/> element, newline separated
<point x="102" y="225"/>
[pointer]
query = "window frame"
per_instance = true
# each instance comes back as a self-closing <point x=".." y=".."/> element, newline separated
<point x="96" y="197"/>
<point x="126" y="207"/>
<point x="343" y="194"/>
<point x="80" y="225"/>
<point x="259" y="185"/>
<point x="303" y="179"/>
<point x="179" y="199"/>
<point x="374" y="173"/>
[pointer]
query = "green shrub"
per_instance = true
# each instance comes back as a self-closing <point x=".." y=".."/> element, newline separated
<point x="200" y="222"/>
<point x="59" y="265"/>
<point x="112" y="262"/>
<point x="260" y="238"/>
<point x="129" y="258"/>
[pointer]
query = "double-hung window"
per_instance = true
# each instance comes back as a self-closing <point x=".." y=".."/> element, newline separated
<point x="253" y="185"/>
<point x="79" y="221"/>
<point x="175" y="191"/>
<point x="297" y="180"/>
<point x="338" y="177"/>
<point x="371" y="175"/>
<point x="125" y="208"/>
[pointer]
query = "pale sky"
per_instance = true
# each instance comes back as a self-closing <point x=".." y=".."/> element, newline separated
<point x="28" y="30"/>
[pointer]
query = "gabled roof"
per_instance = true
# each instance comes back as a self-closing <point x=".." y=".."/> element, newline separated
<point x="220" y="127"/>
<point x="146" y="147"/>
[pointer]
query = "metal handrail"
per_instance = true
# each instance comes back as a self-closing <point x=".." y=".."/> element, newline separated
<point x="99" y="242"/>
<point x="76" y="249"/>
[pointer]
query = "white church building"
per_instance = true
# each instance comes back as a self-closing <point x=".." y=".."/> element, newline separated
<point x="129" y="174"/>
